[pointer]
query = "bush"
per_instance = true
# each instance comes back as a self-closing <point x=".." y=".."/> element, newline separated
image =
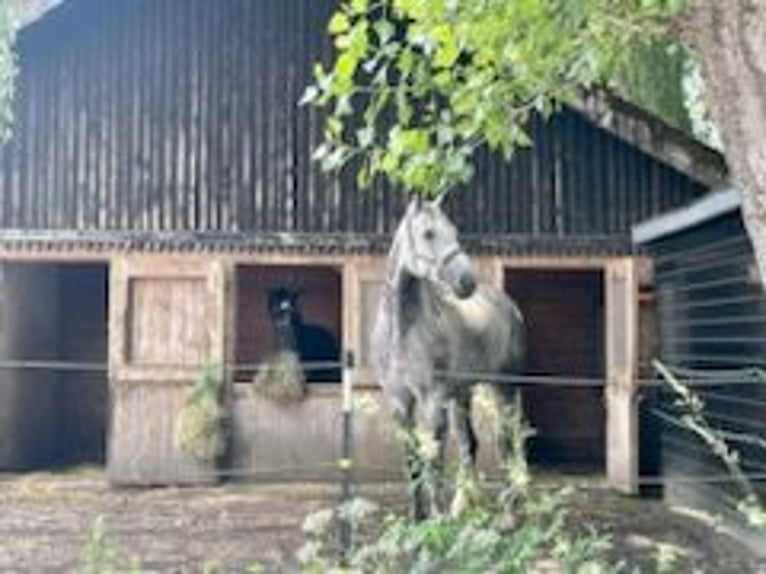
<point x="535" y="537"/>
<point x="519" y="528"/>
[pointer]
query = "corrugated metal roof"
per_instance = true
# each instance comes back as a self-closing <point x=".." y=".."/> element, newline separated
<point x="709" y="207"/>
<point x="27" y="12"/>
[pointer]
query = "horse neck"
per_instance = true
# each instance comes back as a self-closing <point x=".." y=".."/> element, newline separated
<point x="287" y="337"/>
<point x="408" y="299"/>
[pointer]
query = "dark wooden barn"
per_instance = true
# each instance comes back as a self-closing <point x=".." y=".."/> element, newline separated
<point x="711" y="321"/>
<point x="158" y="183"/>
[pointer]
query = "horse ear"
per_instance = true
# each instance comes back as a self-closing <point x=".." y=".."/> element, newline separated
<point x="416" y="202"/>
<point x="440" y="198"/>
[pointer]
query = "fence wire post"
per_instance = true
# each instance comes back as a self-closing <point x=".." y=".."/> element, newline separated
<point x="346" y="462"/>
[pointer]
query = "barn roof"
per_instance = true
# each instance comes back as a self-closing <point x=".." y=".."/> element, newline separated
<point x="711" y="206"/>
<point x="99" y="242"/>
<point x="29" y="11"/>
<point x="92" y="181"/>
<point x="637" y="126"/>
<point x="653" y="136"/>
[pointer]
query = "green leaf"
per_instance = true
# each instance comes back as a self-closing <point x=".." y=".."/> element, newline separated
<point x="365" y="136"/>
<point x="321" y="152"/>
<point x="384" y="29"/>
<point x="310" y="95"/>
<point x="338" y="24"/>
<point x="358" y="6"/>
<point x="345" y="67"/>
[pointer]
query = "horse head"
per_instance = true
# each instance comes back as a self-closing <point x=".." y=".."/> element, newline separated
<point x="284" y="310"/>
<point x="428" y="247"/>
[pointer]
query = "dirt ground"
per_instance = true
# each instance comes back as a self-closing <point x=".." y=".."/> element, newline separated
<point x="46" y="519"/>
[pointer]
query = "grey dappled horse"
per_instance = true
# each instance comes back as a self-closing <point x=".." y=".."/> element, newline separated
<point x="437" y="331"/>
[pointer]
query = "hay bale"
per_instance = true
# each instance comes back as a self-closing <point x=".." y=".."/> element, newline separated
<point x="281" y="378"/>
<point x="200" y="430"/>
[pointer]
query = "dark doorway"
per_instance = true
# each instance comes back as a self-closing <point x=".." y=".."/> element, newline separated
<point x="53" y="350"/>
<point x="564" y="314"/>
<point x="83" y="389"/>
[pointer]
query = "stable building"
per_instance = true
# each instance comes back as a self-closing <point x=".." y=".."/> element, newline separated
<point x="158" y="183"/>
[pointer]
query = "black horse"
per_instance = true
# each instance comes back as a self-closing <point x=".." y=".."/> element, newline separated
<point x="312" y="343"/>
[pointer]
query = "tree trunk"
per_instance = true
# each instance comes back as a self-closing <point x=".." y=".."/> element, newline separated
<point x="729" y="37"/>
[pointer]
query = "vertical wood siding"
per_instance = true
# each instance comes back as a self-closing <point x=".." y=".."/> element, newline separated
<point x="180" y="115"/>
<point x="712" y="318"/>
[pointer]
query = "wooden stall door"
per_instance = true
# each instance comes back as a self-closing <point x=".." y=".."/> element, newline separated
<point x="167" y="319"/>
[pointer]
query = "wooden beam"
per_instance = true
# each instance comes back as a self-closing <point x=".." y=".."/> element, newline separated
<point x="621" y="393"/>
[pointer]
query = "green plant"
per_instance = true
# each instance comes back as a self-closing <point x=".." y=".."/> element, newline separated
<point x="481" y="539"/>
<point x="751" y="507"/>
<point x="519" y="528"/>
<point x="417" y="86"/>
<point x="8" y="69"/>
<point x="199" y="428"/>
<point x="101" y="556"/>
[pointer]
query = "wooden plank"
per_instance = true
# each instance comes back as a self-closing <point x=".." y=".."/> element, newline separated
<point x="301" y="440"/>
<point x="167" y="317"/>
<point x="621" y="288"/>
<point x="167" y="321"/>
<point x="170" y="308"/>
<point x="141" y="438"/>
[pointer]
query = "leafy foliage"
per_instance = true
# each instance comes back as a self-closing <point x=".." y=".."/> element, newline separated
<point x="653" y="75"/>
<point x="535" y="535"/>
<point x="8" y="68"/>
<point x="751" y="507"/>
<point x="418" y="85"/>
<point x="518" y="529"/>
<point x="101" y="556"/>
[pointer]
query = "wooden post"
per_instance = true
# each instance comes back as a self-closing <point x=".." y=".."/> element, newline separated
<point x="346" y="462"/>
<point x="621" y="288"/>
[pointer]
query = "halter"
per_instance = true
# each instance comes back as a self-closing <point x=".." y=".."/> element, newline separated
<point x="439" y="261"/>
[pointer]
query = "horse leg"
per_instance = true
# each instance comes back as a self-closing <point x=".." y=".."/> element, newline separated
<point x="467" y="447"/>
<point x="466" y="436"/>
<point x="438" y="423"/>
<point x="513" y="435"/>
<point x="403" y="410"/>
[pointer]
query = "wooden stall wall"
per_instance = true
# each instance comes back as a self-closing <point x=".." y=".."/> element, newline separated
<point x="181" y="115"/>
<point x="167" y="319"/>
<point x="301" y="440"/>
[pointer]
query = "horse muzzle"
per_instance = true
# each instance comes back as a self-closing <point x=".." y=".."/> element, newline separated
<point x="459" y="275"/>
<point x="466" y="285"/>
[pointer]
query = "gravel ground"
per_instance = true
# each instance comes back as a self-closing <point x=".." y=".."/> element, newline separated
<point x="46" y="520"/>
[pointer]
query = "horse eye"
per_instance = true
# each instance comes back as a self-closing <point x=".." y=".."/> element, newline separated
<point x="429" y="234"/>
